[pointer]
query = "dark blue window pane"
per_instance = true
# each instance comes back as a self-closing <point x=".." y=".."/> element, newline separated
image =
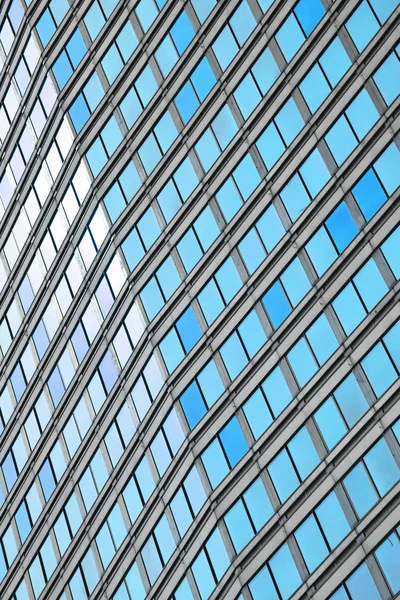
<point x="193" y="405"/>
<point x="233" y="441"/>
<point x="342" y="227"/>
<point x="79" y="113"/>
<point x="369" y="194"/>
<point x="276" y="304"/>
<point x="309" y="13"/>
<point x="47" y="480"/>
<point x="188" y="329"/>
<point x="76" y="48"/>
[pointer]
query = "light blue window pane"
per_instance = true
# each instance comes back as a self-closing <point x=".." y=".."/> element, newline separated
<point x="290" y="37"/>
<point x="188" y="329"/>
<point x="362" y="586"/>
<point x="203" y="8"/>
<point x="59" y="9"/>
<point x="370" y="284"/>
<point x="233" y="441"/>
<point x="379" y="370"/>
<point x="289" y="121"/>
<point x="362" y="114"/>
<point x="276" y="305"/>
<point x="283" y="475"/>
<point x="285" y="572"/>
<point x="215" y="463"/>
<point x="203" y="576"/>
<point x="246" y="176"/>
<point x="133" y="249"/>
<point x="146" y="85"/>
<point x="105" y="546"/>
<point x="333" y="520"/>
<point x="258" y="504"/>
<point x="239" y="526"/>
<point x="341" y="140"/>
<point x="247" y="96"/>
<point x="229" y="199"/>
<point x="303" y="453"/>
<point x="349" y="309"/>
<point x="182" y="32"/>
<point x="335" y="61"/>
<point x="207" y="150"/>
<point x="108" y="6"/>
<point x="111" y="135"/>
<point x="210" y="383"/>
<point x="144" y="479"/>
<point x="233" y="356"/>
<point x="224" y="126"/>
<point x="112" y="64"/>
<point x="93" y="91"/>
<point x="277" y="391"/>
<point x="181" y="512"/>
<point x="270" y="146"/>
<point x="186" y="179"/>
<point x="132" y="500"/>
<point x="252" y="251"/>
<point x="171" y="350"/>
<point x="165" y="131"/>
<point x="384" y="8"/>
<point x="360" y="489"/>
<point x="164" y="538"/>
<point x="270" y="228"/>
<point x="183" y="592"/>
<point x="351" y="400"/>
<point x="265" y="70"/>
<point x="127" y="41"/>
<point x="211" y="302"/>
<point x="89" y="569"/>
<point x="168" y="277"/>
<point x="362" y="26"/>
<point x="322" y="339"/>
<point x="309" y="13"/>
<point x="314" y="88"/>
<point x="315" y="173"/>
<point x="295" y="197"/>
<point x="382" y="467"/>
<point x="79" y="113"/>
<point x="45" y="27"/>
<point x="252" y="333"/>
<point x="96" y="157"/>
<point x="206" y="228"/>
<point x="186" y="102"/>
<point x="94" y="20"/>
<point x="147" y="12"/>
<point x="217" y="552"/>
<point x="257" y="414"/>
<point x="369" y="194"/>
<point x="203" y="79"/>
<point x="311" y="543"/>
<point x="169" y="201"/>
<point x="392" y="343"/>
<point x="194" y="489"/>
<point x="189" y="250"/>
<point x="388" y="168"/>
<point x="387" y="78"/>
<point x="76" y="48"/>
<point x="388" y="555"/>
<point x="321" y="251"/>
<point x="130" y="107"/>
<point x="242" y="22"/>
<point x="62" y="70"/>
<point x="295" y="281"/>
<point x="151" y="560"/>
<point x="228" y="280"/>
<point x="160" y="453"/>
<point x="134" y="583"/>
<point x="225" y="47"/>
<point x="166" y="55"/>
<point x="150" y="154"/>
<point x="341" y="226"/>
<point x="302" y="362"/>
<point x="262" y="586"/>
<point x="330" y="423"/>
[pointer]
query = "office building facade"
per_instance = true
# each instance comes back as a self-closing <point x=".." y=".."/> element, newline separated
<point x="199" y="299"/>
